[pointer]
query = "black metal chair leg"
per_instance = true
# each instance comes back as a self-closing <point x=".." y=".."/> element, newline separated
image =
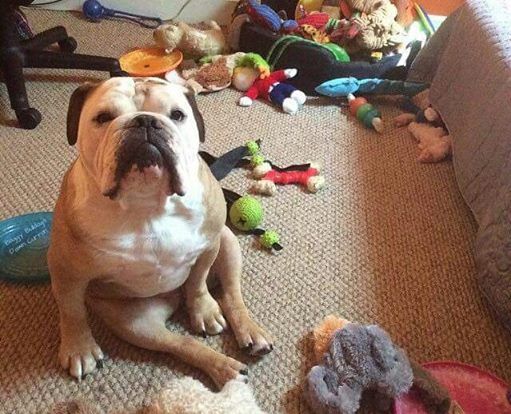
<point x="12" y="68"/>
<point x="44" y="59"/>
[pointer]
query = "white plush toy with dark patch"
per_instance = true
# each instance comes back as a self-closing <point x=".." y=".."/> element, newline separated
<point x="426" y="126"/>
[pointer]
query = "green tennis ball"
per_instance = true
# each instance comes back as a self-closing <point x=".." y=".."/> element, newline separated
<point x="252" y="147"/>
<point x="257" y="159"/>
<point x="246" y="213"/>
<point x="269" y="238"/>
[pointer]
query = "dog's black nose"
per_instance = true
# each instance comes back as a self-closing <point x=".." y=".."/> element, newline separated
<point x="146" y="121"/>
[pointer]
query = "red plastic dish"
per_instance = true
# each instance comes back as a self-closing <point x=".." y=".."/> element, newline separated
<point x="475" y="390"/>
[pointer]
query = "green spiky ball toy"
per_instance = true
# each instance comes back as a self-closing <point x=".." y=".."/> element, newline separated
<point x="246" y="213"/>
<point x="257" y="159"/>
<point x="252" y="147"/>
<point x="269" y="238"/>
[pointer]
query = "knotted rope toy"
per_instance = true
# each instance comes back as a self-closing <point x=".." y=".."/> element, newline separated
<point x="269" y="175"/>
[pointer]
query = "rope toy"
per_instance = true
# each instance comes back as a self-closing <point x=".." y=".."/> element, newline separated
<point x="269" y="175"/>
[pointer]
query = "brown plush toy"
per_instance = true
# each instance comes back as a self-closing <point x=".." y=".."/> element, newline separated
<point x="377" y="24"/>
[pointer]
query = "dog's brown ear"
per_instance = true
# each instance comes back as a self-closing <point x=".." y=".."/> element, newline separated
<point x="197" y="115"/>
<point x="75" y="109"/>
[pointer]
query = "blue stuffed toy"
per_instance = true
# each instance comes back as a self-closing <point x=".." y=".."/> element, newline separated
<point x="342" y="87"/>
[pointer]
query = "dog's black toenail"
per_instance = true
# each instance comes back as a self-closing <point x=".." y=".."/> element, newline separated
<point x="99" y="364"/>
<point x="244" y="371"/>
<point x="271" y="347"/>
<point x="83" y="376"/>
<point x="204" y="335"/>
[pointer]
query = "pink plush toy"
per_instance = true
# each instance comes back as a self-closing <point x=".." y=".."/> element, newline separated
<point x="434" y="142"/>
<point x="274" y="89"/>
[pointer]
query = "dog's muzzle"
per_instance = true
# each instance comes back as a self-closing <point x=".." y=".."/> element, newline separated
<point x="145" y="143"/>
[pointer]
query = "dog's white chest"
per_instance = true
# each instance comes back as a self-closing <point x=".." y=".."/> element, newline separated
<point x="157" y="257"/>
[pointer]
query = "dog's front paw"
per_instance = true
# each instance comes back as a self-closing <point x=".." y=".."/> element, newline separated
<point x="206" y="316"/>
<point x="80" y="356"/>
<point x="226" y="369"/>
<point x="252" y="338"/>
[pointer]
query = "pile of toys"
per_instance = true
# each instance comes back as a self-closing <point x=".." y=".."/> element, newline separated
<point x="246" y="212"/>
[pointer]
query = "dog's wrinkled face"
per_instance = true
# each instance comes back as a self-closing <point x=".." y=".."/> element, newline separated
<point x="136" y="137"/>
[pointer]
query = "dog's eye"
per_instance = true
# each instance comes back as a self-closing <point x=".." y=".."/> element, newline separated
<point x="103" y="117"/>
<point x="177" y="115"/>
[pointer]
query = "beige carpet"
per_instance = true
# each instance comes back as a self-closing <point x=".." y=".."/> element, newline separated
<point x="388" y="241"/>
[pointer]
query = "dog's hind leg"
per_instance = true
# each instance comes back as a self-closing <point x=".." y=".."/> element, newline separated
<point x="141" y="322"/>
<point x="227" y="268"/>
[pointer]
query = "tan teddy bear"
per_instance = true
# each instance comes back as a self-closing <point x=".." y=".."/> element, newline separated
<point x="195" y="41"/>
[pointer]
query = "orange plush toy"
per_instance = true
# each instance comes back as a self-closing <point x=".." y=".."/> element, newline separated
<point x="322" y="334"/>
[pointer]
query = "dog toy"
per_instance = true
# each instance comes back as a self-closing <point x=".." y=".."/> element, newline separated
<point x="214" y="74"/>
<point x="269" y="176"/>
<point x="350" y="355"/>
<point x="272" y="88"/>
<point x="195" y="41"/>
<point x="341" y="87"/>
<point x="267" y="17"/>
<point x="183" y="395"/>
<point x="428" y="129"/>
<point x="95" y="11"/>
<point x="365" y="113"/>
<point x="376" y="25"/>
<point x="360" y="359"/>
<point x="255" y="61"/>
<point x="434" y="143"/>
<point x="245" y="213"/>
<point x="188" y="395"/>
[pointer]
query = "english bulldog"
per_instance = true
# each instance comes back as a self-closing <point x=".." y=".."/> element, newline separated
<point x="140" y="224"/>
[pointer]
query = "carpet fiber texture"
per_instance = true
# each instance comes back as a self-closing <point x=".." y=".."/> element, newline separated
<point x="388" y="241"/>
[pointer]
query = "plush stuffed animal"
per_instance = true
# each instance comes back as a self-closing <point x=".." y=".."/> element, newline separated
<point x="428" y="129"/>
<point x="189" y="396"/>
<point x="185" y="395"/>
<point x="434" y="143"/>
<point x="271" y="87"/>
<point x="265" y="16"/>
<point x="214" y="75"/>
<point x="195" y="41"/>
<point x="374" y="26"/>
<point x="359" y="359"/>
<point x="434" y="396"/>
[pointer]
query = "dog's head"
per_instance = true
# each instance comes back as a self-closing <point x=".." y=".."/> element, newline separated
<point x="136" y="136"/>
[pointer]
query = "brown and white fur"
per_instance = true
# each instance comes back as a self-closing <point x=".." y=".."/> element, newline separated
<point x="139" y="224"/>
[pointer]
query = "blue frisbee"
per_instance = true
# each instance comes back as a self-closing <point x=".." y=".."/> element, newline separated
<point x="24" y="242"/>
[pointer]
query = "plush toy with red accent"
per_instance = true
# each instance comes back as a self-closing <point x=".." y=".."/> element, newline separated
<point x="272" y="87"/>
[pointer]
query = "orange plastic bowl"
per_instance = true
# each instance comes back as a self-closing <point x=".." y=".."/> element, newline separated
<point x="151" y="61"/>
